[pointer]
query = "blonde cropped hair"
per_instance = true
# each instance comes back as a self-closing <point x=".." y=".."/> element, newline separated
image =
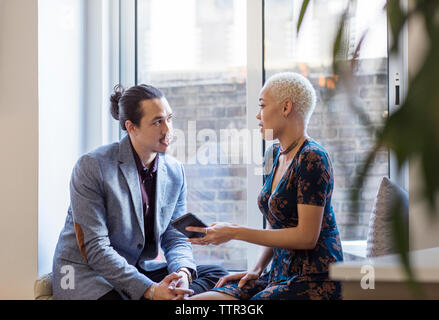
<point x="294" y="86"/>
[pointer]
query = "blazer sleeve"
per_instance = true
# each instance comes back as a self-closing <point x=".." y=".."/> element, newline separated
<point x="176" y="248"/>
<point x="89" y="215"/>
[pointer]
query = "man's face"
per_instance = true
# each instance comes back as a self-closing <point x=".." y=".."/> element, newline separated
<point x="155" y="129"/>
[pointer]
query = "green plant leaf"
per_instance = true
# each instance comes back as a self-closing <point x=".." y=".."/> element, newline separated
<point x="396" y="19"/>
<point x="412" y="132"/>
<point x="303" y="9"/>
<point x="338" y="43"/>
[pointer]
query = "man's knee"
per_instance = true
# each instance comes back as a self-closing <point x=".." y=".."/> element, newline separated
<point x="211" y="271"/>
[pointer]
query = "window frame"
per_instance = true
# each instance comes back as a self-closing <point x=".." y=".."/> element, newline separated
<point x="398" y="76"/>
<point x="397" y="64"/>
<point x="255" y="80"/>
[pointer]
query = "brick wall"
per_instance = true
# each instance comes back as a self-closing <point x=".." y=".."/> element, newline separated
<point x="217" y="192"/>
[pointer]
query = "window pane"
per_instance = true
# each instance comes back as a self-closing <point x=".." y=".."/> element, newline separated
<point x="196" y="54"/>
<point x="334" y="124"/>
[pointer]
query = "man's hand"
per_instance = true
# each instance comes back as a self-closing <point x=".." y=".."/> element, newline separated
<point x="165" y="290"/>
<point x="182" y="283"/>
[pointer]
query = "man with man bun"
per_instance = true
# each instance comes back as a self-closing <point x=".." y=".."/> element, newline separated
<point x="123" y="197"/>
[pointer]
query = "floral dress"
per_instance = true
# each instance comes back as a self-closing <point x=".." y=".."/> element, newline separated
<point x="297" y="274"/>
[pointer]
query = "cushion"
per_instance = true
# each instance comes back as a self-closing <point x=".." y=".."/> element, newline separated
<point x="43" y="287"/>
<point x="379" y="238"/>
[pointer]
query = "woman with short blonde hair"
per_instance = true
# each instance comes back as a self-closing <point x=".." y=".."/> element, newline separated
<point x="302" y="237"/>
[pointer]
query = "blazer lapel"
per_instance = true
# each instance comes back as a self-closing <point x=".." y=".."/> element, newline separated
<point x="160" y="191"/>
<point x="128" y="167"/>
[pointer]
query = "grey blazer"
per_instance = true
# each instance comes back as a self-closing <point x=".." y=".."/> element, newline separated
<point x="103" y="236"/>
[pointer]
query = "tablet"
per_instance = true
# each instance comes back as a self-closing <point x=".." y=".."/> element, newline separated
<point x="189" y="219"/>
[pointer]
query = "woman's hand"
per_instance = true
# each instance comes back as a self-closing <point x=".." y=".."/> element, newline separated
<point x="216" y="233"/>
<point x="243" y="277"/>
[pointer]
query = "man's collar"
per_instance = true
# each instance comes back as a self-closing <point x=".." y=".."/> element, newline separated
<point x="139" y="163"/>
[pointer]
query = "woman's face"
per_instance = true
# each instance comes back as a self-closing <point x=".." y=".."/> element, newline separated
<point x="270" y="115"/>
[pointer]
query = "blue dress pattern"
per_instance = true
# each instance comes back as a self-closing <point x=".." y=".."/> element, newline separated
<point x="297" y="274"/>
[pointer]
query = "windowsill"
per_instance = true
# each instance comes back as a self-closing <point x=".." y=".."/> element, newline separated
<point x="354" y="249"/>
<point x="425" y="266"/>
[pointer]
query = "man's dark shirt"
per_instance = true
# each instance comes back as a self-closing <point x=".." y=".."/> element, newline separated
<point x="148" y="179"/>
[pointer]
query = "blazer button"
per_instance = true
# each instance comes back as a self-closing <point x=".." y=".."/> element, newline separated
<point x="139" y="246"/>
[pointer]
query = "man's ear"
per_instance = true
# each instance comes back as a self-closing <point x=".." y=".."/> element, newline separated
<point x="130" y="127"/>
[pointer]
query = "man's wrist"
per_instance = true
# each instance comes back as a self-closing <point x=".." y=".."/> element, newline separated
<point x="187" y="272"/>
<point x="149" y="293"/>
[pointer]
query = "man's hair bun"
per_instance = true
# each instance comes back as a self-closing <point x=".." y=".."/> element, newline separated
<point x="114" y="99"/>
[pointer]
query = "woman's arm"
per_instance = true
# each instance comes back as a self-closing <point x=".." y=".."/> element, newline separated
<point x="243" y="277"/>
<point x="264" y="258"/>
<point x="303" y="236"/>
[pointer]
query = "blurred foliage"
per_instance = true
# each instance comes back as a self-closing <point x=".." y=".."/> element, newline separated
<point x="412" y="131"/>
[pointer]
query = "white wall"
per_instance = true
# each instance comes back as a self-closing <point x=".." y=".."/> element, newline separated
<point x="47" y="58"/>
<point x="19" y="148"/>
